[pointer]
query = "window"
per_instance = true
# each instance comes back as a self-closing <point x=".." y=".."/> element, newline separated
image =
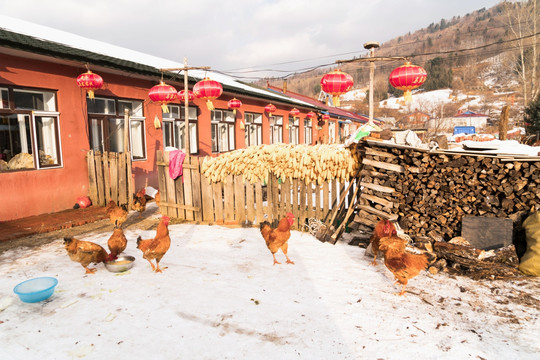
<point x="174" y="125"/>
<point x="222" y="122"/>
<point x="331" y="132"/>
<point x="308" y="131"/>
<point x="293" y="130"/>
<point x="29" y="130"/>
<point x="106" y="122"/>
<point x="253" y="129"/>
<point x="276" y="129"/>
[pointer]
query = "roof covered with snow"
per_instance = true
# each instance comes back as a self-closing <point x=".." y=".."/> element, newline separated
<point x="43" y="40"/>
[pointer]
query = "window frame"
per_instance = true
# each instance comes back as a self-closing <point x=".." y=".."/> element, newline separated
<point x="177" y="124"/>
<point x="277" y="127"/>
<point x="257" y="125"/>
<point x="33" y="116"/>
<point x="294" y="129"/>
<point x="217" y="124"/>
<point x="106" y="118"/>
<point x="308" y="131"/>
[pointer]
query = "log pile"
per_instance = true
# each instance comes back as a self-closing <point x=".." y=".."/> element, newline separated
<point x="430" y="192"/>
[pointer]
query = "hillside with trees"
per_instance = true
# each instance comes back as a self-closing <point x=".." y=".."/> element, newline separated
<point x="473" y="54"/>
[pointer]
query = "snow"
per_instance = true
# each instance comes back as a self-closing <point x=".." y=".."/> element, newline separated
<point x="221" y="298"/>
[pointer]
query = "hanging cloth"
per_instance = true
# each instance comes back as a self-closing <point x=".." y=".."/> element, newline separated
<point x="176" y="160"/>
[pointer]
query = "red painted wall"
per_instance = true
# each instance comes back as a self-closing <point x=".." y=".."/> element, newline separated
<point x="33" y="192"/>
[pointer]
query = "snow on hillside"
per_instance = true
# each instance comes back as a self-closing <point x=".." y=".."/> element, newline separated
<point x="431" y="101"/>
<point x="354" y="95"/>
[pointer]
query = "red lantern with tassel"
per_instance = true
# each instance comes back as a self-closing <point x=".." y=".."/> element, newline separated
<point x="270" y="109"/>
<point x="90" y="82"/>
<point x="234" y="104"/>
<point x="336" y="83"/>
<point x="406" y="78"/>
<point x="163" y="94"/>
<point x="208" y="90"/>
<point x="310" y="115"/>
<point x="191" y="96"/>
<point x="294" y="112"/>
<point x="326" y="117"/>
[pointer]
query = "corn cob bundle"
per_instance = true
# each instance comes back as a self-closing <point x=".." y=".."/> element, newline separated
<point x="309" y="163"/>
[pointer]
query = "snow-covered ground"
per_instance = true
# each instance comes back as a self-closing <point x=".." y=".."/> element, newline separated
<point x="221" y="298"/>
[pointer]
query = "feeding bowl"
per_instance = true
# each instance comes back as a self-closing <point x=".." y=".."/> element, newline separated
<point x="122" y="263"/>
<point x="35" y="290"/>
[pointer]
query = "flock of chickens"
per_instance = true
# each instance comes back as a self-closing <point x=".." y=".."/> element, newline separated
<point x="402" y="264"/>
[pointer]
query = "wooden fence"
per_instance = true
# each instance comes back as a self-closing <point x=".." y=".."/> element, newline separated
<point x="235" y="201"/>
<point x="109" y="175"/>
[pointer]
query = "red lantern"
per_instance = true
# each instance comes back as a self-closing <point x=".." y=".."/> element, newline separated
<point x="90" y="82"/>
<point x="406" y="78"/>
<point x="326" y="117"/>
<point x="336" y="83"/>
<point x="208" y="89"/>
<point x="270" y="109"/>
<point x="294" y="112"/>
<point x="234" y="104"/>
<point x="191" y="96"/>
<point x="163" y="94"/>
<point x="310" y="115"/>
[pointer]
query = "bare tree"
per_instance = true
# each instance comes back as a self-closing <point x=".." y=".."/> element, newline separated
<point x="522" y="18"/>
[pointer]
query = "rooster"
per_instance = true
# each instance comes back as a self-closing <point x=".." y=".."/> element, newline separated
<point x="117" y="214"/>
<point x="157" y="247"/>
<point x="117" y="243"/>
<point x="139" y="201"/>
<point x="403" y="265"/>
<point x="276" y="238"/>
<point x="382" y="229"/>
<point x="85" y="252"/>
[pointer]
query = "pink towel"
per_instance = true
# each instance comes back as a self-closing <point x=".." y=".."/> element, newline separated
<point x="176" y="159"/>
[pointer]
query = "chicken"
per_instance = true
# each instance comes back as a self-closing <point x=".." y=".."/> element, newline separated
<point x="117" y="243"/>
<point x="139" y="201"/>
<point x="85" y="252"/>
<point x="277" y="238"/>
<point x="157" y="247"/>
<point x="403" y="265"/>
<point x="117" y="214"/>
<point x="382" y="229"/>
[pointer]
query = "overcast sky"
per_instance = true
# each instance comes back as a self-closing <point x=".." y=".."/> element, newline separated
<point x="239" y="34"/>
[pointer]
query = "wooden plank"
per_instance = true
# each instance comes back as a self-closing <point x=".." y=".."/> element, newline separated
<point x="179" y="189"/>
<point x="269" y="200"/>
<point x="384" y="189"/>
<point x="162" y="184"/>
<point x="122" y="181"/>
<point x="259" y="211"/>
<point x="276" y="206"/>
<point x="113" y="166"/>
<point x="207" y="202"/>
<point x="218" y="201"/>
<point x="378" y="212"/>
<point x="318" y="201"/>
<point x="92" y="184"/>
<point x="184" y="166"/>
<point x="99" y="179"/>
<point x="371" y="151"/>
<point x="302" y="206"/>
<point x="294" y="195"/>
<point x="326" y="200"/>
<point x="378" y="200"/>
<point x="250" y="203"/>
<point x="171" y="189"/>
<point x="383" y="165"/>
<point x="286" y="196"/>
<point x="130" y="185"/>
<point x="188" y="189"/>
<point x="487" y="232"/>
<point x="228" y="189"/>
<point x="239" y="199"/>
<point x="183" y="207"/>
<point x="106" y="177"/>
<point x="196" y="187"/>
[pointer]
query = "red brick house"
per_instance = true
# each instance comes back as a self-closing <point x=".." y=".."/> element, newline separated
<point x="48" y="124"/>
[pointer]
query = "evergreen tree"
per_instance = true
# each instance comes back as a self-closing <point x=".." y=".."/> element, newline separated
<point x="439" y="75"/>
<point x="532" y="117"/>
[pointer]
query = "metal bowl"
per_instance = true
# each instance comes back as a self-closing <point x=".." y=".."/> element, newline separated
<point x="122" y="263"/>
<point x="35" y="290"/>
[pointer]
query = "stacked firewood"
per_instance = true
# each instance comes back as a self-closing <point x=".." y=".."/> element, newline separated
<point x="430" y="192"/>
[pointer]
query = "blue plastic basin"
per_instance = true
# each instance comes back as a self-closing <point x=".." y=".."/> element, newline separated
<point x="37" y="289"/>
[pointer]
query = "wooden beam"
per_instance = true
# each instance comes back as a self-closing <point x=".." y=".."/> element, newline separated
<point x="384" y="189"/>
<point x="383" y="165"/>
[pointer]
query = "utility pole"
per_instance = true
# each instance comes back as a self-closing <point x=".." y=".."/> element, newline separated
<point x="186" y="99"/>
<point x="371" y="46"/>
